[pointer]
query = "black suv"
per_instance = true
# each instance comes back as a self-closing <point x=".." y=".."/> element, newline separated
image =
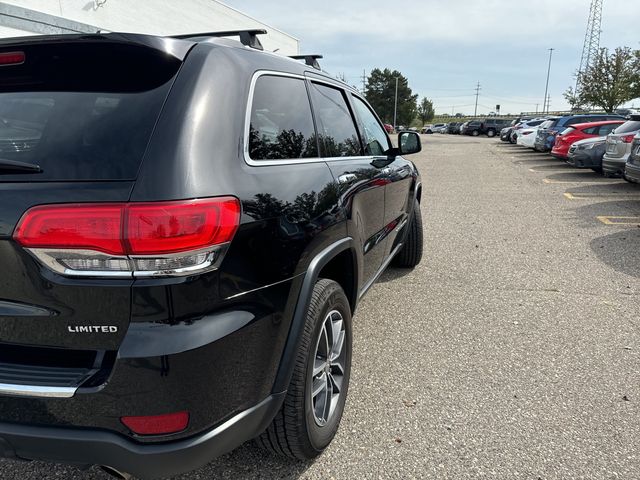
<point x="187" y="226"/>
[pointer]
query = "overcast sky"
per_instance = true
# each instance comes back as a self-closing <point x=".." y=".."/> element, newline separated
<point x="445" y="47"/>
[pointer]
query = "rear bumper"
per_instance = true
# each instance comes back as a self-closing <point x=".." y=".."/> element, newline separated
<point x="613" y="166"/>
<point x="97" y="447"/>
<point x="581" y="160"/>
<point x="632" y="173"/>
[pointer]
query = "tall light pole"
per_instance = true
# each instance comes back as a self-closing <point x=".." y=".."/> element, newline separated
<point x="546" y="88"/>
<point x="395" y="108"/>
<point x="475" y="111"/>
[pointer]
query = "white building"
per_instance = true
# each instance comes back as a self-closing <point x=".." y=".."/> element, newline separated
<point x="158" y="17"/>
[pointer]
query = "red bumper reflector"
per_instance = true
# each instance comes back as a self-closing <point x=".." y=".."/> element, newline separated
<point x="11" y="58"/>
<point x="157" y="424"/>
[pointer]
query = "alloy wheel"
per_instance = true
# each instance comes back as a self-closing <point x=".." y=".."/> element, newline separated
<point x="328" y="368"/>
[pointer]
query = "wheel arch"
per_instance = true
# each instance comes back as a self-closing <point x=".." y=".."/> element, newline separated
<point x="329" y="263"/>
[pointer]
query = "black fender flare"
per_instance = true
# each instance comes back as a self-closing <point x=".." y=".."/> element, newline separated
<point x="287" y="361"/>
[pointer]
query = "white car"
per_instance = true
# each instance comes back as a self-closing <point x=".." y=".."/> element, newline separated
<point x="526" y="137"/>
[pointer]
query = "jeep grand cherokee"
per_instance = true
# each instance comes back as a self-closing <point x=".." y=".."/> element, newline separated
<point x="187" y="226"/>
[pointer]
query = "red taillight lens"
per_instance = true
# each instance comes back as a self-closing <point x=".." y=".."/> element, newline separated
<point x="157" y="424"/>
<point x="143" y="239"/>
<point x="11" y="58"/>
<point x="628" y="138"/>
<point x="76" y="226"/>
<point x="173" y="227"/>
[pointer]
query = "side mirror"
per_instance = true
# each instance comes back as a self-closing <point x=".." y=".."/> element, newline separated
<point x="408" y="143"/>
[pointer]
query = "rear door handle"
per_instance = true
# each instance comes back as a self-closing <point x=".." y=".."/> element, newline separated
<point x="347" y="178"/>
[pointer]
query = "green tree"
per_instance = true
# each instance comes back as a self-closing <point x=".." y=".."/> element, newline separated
<point x="380" y="92"/>
<point x="613" y="79"/>
<point x="426" y="111"/>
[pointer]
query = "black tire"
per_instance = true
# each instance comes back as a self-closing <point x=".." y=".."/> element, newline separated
<point x="294" y="431"/>
<point x="411" y="253"/>
<point x="475" y="133"/>
<point x="491" y="133"/>
<point x="597" y="169"/>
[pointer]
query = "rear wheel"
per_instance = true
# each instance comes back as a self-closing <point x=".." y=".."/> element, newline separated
<point x="411" y="252"/>
<point x="313" y="406"/>
<point x="475" y="133"/>
<point x="491" y="133"/>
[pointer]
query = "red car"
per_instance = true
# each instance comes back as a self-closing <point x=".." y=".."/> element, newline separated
<point x="580" y="131"/>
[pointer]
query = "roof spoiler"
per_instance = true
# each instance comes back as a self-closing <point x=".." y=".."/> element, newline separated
<point x="311" y="60"/>
<point x="247" y="37"/>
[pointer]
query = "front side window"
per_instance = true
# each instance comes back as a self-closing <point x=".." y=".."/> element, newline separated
<point x="336" y="129"/>
<point x="375" y="139"/>
<point x="281" y="125"/>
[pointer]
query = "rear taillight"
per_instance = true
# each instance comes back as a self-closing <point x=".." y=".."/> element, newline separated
<point x="11" y="58"/>
<point x="130" y="239"/>
<point x="628" y="138"/>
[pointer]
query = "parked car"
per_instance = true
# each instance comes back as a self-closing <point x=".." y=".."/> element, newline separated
<point x="526" y="137"/>
<point x="434" y="128"/>
<point x="442" y="129"/>
<point x="534" y="122"/>
<point x="580" y="131"/>
<point x="427" y="128"/>
<point x="454" y="128"/>
<point x="587" y="153"/>
<point x="627" y="112"/>
<point x="632" y="167"/>
<point x="388" y="127"/>
<point x="619" y="147"/>
<point x="166" y="295"/>
<point x="546" y="136"/>
<point x="505" y="133"/>
<point x="492" y="126"/>
<point x="473" y="128"/>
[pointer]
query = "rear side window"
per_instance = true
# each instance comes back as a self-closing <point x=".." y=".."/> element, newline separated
<point x="336" y="129"/>
<point x="281" y="125"/>
<point x="604" y="130"/>
<point x="628" y="126"/>
<point x="82" y="111"/>
<point x="567" y="131"/>
<point x="375" y="139"/>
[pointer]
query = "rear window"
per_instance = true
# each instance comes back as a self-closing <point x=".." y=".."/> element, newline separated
<point x="82" y="111"/>
<point x="628" y="127"/>
<point x="567" y="131"/>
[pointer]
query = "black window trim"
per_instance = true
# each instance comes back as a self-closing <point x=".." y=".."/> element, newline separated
<point x="292" y="161"/>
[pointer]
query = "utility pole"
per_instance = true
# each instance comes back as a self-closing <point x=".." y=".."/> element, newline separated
<point x="537" y="107"/>
<point x="475" y="112"/>
<point x="546" y="88"/>
<point x="364" y="81"/>
<point x="548" y="103"/>
<point x="591" y="45"/>
<point x="395" y="108"/>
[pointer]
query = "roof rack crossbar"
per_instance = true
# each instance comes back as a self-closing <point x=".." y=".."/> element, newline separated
<point x="247" y="37"/>
<point x="311" y="60"/>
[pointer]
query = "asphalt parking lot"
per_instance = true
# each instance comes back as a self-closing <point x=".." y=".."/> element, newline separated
<point x="512" y="352"/>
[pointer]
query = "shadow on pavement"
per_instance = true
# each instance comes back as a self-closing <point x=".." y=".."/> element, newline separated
<point x="620" y="250"/>
<point x="392" y="274"/>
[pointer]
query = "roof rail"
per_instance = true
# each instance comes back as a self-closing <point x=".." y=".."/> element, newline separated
<point x="247" y="37"/>
<point x="311" y="60"/>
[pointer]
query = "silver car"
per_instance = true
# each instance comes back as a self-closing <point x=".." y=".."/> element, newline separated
<point x="619" y="147"/>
